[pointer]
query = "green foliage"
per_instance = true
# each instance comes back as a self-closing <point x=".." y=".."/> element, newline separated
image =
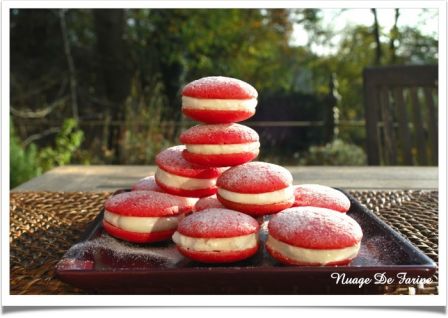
<point x="28" y="162"/>
<point x="67" y="141"/>
<point x="144" y="141"/>
<point x="336" y="153"/>
<point x="170" y="47"/>
<point x="415" y="47"/>
<point x="23" y="161"/>
<point x="252" y="45"/>
<point x="355" y="51"/>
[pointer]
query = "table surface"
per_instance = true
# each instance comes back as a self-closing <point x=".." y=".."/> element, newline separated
<point x="44" y="225"/>
<point x="63" y="201"/>
<point x="111" y="177"/>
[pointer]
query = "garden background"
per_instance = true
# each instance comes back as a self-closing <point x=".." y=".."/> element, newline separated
<point x="103" y="86"/>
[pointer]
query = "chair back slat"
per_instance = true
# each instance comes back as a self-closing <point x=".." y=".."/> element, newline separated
<point x="401" y="114"/>
<point x="372" y="100"/>
<point x="418" y="127"/>
<point x="404" y="132"/>
<point x="388" y="129"/>
<point x="432" y="124"/>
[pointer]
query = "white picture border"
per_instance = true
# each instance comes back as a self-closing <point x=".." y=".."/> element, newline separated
<point x="199" y="300"/>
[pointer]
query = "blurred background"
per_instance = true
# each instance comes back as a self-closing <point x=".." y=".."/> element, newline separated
<point x="103" y="86"/>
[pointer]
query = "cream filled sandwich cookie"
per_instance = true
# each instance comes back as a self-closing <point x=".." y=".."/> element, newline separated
<point x="256" y="188"/>
<point x="321" y="196"/>
<point x="146" y="184"/>
<point x="217" y="236"/>
<point x="313" y="236"/>
<point x="220" y="145"/>
<point x="144" y="216"/>
<point x="219" y="99"/>
<point x="177" y="176"/>
<point x="207" y="203"/>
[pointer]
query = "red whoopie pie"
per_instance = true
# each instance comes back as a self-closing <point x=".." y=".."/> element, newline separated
<point x="321" y="196"/>
<point x="217" y="236"/>
<point x="218" y="99"/>
<point x="256" y="188"/>
<point x="220" y="145"/>
<point x="144" y="216"/>
<point x="147" y="184"/>
<point x="207" y="203"/>
<point x="177" y="176"/>
<point x="313" y="236"/>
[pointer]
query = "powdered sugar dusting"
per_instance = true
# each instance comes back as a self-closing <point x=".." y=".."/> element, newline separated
<point x="171" y="160"/>
<point x="147" y="184"/>
<point x="320" y="196"/>
<point x="106" y="249"/>
<point x="148" y="203"/>
<point x="219" y="134"/>
<point x="207" y="203"/>
<point x="255" y="177"/>
<point x="220" y="87"/>
<point x="217" y="223"/>
<point x="313" y="227"/>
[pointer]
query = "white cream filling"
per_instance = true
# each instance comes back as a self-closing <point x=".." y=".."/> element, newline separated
<point x="185" y="183"/>
<point x="219" y="104"/>
<point x="306" y="255"/>
<point x="258" y="198"/>
<point x="223" y="149"/>
<point x="216" y="244"/>
<point x="140" y="224"/>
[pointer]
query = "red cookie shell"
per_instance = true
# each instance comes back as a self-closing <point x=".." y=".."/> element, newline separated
<point x="224" y="160"/>
<point x="137" y="237"/>
<point x="198" y="193"/>
<point x="172" y="161"/>
<point x="147" y="184"/>
<point x="207" y="203"/>
<point x="218" y="134"/>
<point x="321" y="196"/>
<point x="219" y="87"/>
<point x="217" y="223"/>
<point x="148" y="204"/>
<point x="288" y="261"/>
<point x="256" y="209"/>
<point x="218" y="257"/>
<point x="211" y="116"/>
<point x="255" y="177"/>
<point x="315" y="228"/>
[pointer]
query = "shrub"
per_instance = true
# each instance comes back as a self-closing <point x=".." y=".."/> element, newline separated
<point x="23" y="161"/>
<point x="29" y="162"/>
<point x="335" y="153"/>
<point x="67" y="141"/>
<point x="146" y="134"/>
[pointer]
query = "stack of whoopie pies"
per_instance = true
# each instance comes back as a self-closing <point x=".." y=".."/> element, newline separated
<point x="212" y="175"/>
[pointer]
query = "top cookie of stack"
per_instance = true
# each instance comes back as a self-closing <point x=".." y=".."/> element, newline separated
<point x="219" y="102"/>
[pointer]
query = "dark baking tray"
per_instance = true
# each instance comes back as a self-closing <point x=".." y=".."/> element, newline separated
<point x="105" y="265"/>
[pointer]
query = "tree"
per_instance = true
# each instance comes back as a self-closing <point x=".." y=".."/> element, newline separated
<point x="113" y="57"/>
<point x="393" y="35"/>
<point x="376" y="36"/>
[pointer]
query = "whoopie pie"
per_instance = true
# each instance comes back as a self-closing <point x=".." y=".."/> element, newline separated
<point x="220" y="145"/>
<point x="321" y="196"/>
<point x="313" y="236"/>
<point x="144" y="216"/>
<point x="177" y="176"/>
<point x="256" y="188"/>
<point x="217" y="236"/>
<point x="219" y="99"/>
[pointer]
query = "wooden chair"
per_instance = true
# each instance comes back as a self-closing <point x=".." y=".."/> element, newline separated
<point x="401" y="114"/>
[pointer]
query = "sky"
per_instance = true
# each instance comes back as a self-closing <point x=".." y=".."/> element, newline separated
<point x="334" y="19"/>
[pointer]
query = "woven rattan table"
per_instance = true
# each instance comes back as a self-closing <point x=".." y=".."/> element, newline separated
<point x="44" y="224"/>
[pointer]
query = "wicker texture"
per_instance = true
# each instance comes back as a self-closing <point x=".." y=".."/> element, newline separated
<point x="45" y="224"/>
